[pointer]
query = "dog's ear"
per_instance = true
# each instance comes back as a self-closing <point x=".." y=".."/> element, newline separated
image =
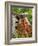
<point x="17" y="17"/>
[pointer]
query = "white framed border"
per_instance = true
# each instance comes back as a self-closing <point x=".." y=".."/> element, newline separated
<point x="8" y="39"/>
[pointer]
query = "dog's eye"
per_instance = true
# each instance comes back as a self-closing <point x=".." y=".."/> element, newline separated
<point x="16" y="22"/>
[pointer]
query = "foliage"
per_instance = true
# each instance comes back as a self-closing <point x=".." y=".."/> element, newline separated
<point x="17" y="10"/>
<point x="30" y="18"/>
